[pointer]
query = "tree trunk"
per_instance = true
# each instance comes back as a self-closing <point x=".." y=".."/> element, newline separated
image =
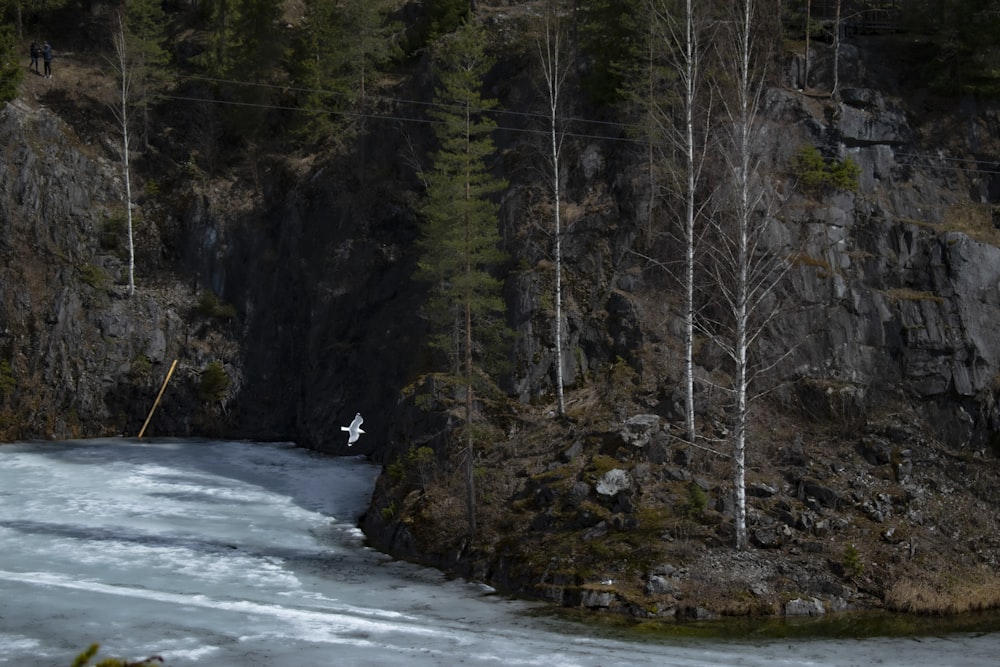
<point x="836" y="50"/>
<point x="555" y="73"/>
<point x="122" y="114"/>
<point x="805" y="65"/>
<point x="747" y="107"/>
<point x="470" y="479"/>
<point x="690" y="74"/>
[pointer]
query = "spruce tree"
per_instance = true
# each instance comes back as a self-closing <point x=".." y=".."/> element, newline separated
<point x="11" y="72"/>
<point x="460" y="239"/>
<point x="346" y="47"/>
<point x="145" y="24"/>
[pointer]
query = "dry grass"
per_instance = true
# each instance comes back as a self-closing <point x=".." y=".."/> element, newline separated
<point x="906" y="294"/>
<point x="973" y="220"/>
<point x="959" y="593"/>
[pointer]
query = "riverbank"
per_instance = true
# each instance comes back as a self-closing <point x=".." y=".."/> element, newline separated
<point x="890" y="520"/>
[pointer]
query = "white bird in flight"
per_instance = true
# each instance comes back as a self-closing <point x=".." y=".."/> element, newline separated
<point x="354" y="429"/>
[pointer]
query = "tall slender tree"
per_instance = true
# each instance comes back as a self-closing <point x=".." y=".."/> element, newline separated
<point x="746" y="271"/>
<point x="123" y="67"/>
<point x="145" y="22"/>
<point x="555" y="62"/>
<point x="460" y="242"/>
<point x="11" y="72"/>
<point x="686" y="35"/>
<point x="668" y="93"/>
<point x="347" y="46"/>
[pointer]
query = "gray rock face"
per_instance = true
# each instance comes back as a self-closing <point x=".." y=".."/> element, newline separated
<point x="889" y="301"/>
<point x="86" y="358"/>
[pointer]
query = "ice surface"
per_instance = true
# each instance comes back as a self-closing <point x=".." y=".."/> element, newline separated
<point x="236" y="553"/>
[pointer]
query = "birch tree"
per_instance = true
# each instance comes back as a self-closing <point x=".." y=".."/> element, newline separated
<point x="805" y="64"/>
<point x="675" y="152"/>
<point x="124" y="70"/>
<point x="746" y="272"/>
<point x="686" y="36"/>
<point x="836" y="49"/>
<point x="555" y="63"/>
<point x="460" y="240"/>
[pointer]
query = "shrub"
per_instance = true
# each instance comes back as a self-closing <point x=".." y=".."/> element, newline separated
<point x="697" y="501"/>
<point x="94" y="276"/>
<point x="8" y="383"/>
<point x="112" y="231"/>
<point x="210" y="306"/>
<point x="816" y="174"/>
<point x="214" y="383"/>
<point x="11" y="72"/>
<point x="419" y="461"/>
<point x="853" y="566"/>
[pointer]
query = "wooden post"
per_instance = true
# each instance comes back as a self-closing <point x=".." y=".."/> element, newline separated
<point x="158" y="397"/>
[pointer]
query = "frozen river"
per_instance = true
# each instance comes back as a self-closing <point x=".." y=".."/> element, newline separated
<point x="233" y="553"/>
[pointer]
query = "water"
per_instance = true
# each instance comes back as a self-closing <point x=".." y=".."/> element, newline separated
<point x="233" y="553"/>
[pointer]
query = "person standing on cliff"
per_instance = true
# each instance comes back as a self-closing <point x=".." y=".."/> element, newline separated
<point x="47" y="57"/>
<point x="34" y="57"/>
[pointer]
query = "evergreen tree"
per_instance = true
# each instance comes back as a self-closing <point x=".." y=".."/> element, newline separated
<point x="606" y="36"/>
<point x="347" y="45"/>
<point x="245" y="51"/>
<point x="145" y="24"/>
<point x="460" y="239"/>
<point x="257" y="46"/>
<point x="11" y="72"/>
<point x="447" y="15"/>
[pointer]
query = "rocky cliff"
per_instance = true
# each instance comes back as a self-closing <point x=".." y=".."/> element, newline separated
<point x="872" y="456"/>
<point x="872" y="459"/>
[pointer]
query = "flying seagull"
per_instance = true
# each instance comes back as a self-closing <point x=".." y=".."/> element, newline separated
<point x="354" y="429"/>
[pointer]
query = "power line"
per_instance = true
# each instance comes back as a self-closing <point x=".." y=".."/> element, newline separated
<point x="397" y="101"/>
<point x="951" y="163"/>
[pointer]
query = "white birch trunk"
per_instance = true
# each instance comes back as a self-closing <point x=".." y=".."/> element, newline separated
<point x="122" y="114"/>
<point x="836" y="50"/>
<point x="805" y="65"/>
<point x="554" y="71"/>
<point x="746" y="271"/>
<point x="747" y="98"/>
<point x="690" y="79"/>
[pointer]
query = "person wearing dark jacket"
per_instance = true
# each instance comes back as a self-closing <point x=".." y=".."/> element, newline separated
<point x="47" y="57"/>
<point x="34" y="57"/>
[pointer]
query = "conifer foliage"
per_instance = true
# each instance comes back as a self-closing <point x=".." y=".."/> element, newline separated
<point x="344" y="48"/>
<point x="460" y="239"/>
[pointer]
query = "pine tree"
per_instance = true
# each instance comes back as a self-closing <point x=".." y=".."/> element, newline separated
<point x="244" y="48"/>
<point x="11" y="72"/>
<point x="347" y="46"/>
<point x="460" y="240"/>
<point x="145" y="23"/>
<point x="605" y="35"/>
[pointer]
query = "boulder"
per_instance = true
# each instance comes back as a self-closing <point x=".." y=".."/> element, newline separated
<point x="804" y="607"/>
<point x="640" y="429"/>
<point x="614" y="482"/>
